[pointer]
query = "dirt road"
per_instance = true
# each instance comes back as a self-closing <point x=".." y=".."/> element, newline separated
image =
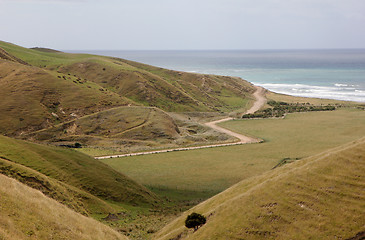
<point x="260" y="101"/>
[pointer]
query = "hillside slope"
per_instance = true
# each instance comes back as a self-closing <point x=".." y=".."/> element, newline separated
<point x="115" y="126"/>
<point x="28" y="214"/>
<point x="74" y="169"/>
<point x="34" y="98"/>
<point x="6" y="56"/>
<point x="51" y="96"/>
<point x="147" y="85"/>
<point x="321" y="197"/>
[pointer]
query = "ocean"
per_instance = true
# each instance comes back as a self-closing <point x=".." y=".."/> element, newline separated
<point x="333" y="74"/>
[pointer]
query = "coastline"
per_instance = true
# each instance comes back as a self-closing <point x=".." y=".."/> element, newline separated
<point x="321" y="92"/>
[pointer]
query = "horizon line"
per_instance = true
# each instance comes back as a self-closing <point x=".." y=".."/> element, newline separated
<point x="256" y="49"/>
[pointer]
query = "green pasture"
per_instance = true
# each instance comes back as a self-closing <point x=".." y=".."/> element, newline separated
<point x="212" y="170"/>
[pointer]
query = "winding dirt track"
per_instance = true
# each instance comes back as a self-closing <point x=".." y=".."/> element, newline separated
<point x="260" y="101"/>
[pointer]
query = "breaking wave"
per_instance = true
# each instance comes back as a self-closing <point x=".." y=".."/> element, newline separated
<point x="345" y="92"/>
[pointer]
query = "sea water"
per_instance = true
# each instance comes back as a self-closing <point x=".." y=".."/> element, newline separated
<point x="334" y="74"/>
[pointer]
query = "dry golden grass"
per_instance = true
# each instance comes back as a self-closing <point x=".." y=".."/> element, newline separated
<point x="166" y="89"/>
<point x="28" y="214"/>
<point x="321" y="197"/>
<point x="112" y="128"/>
<point x="74" y="198"/>
<point x="77" y="170"/>
<point x="33" y="99"/>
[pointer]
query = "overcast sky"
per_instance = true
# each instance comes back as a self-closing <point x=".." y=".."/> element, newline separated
<point x="183" y="24"/>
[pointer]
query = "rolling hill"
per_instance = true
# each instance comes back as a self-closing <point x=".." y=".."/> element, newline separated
<point x="54" y="169"/>
<point x="35" y="98"/>
<point x="321" y="197"/>
<point x="28" y="214"/>
<point x="144" y="84"/>
<point x="55" y="97"/>
<point x="84" y="185"/>
<point x="120" y="126"/>
<point x="59" y="98"/>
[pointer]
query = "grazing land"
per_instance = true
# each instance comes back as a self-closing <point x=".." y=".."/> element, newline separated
<point x="209" y="171"/>
<point x="71" y="104"/>
<point x="28" y="214"/>
<point x="320" y="197"/>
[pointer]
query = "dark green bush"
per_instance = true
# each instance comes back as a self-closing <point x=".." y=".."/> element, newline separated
<point x="195" y="220"/>
<point x="279" y="109"/>
<point x="78" y="145"/>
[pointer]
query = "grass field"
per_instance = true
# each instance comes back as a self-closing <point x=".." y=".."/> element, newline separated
<point x="320" y="197"/>
<point x="212" y="170"/>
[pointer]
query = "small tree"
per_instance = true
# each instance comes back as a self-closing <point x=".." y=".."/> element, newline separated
<point x="195" y="220"/>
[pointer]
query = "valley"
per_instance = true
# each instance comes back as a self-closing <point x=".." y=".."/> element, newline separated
<point x="130" y="149"/>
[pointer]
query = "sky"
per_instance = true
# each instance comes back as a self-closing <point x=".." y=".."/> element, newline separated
<point x="183" y="24"/>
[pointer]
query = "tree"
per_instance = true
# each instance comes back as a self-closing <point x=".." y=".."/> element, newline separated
<point x="195" y="220"/>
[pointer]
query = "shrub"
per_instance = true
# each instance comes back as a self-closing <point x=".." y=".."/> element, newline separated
<point x="279" y="109"/>
<point x="195" y="220"/>
<point x="78" y="145"/>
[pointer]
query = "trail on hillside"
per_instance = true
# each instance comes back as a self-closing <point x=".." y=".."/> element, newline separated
<point x="145" y="121"/>
<point x="259" y="102"/>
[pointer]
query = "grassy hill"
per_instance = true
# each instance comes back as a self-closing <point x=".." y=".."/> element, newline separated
<point x="320" y="197"/>
<point x="35" y="98"/>
<point x="114" y="105"/>
<point x="48" y="94"/>
<point x="74" y="169"/>
<point x="169" y="90"/>
<point x="121" y="126"/>
<point x="85" y="185"/>
<point x="28" y="214"/>
<point x="147" y="85"/>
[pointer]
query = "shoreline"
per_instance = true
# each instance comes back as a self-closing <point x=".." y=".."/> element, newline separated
<point x="313" y="91"/>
